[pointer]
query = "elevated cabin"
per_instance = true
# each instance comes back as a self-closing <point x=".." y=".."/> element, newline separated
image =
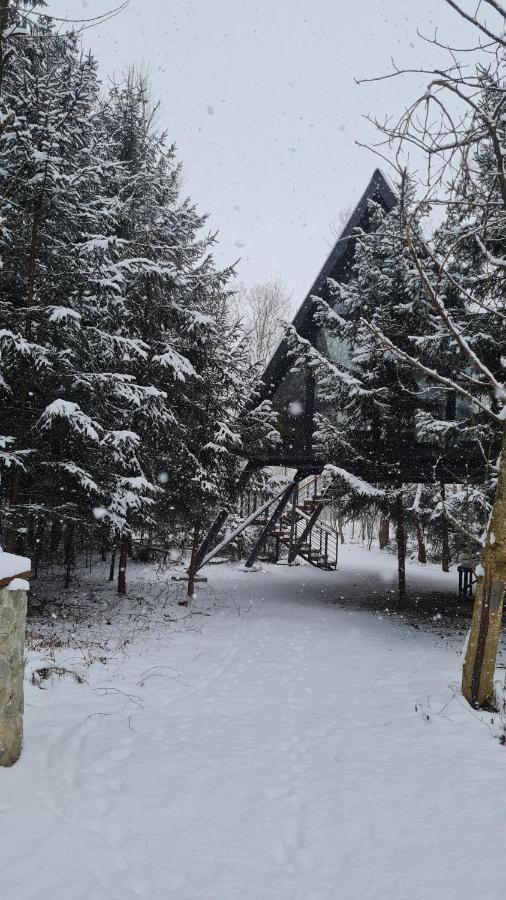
<point x="294" y="395"/>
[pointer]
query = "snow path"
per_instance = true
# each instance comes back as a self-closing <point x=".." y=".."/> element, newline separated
<point x="270" y="750"/>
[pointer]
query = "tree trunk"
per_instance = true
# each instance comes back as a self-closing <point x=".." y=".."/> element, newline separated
<point x="123" y="558"/>
<point x="39" y="537"/>
<point x="422" y="551"/>
<point x="445" y="550"/>
<point x="113" y="561"/>
<point x="401" y="545"/>
<point x="384" y="532"/>
<point x="192" y="571"/>
<point x="69" y="552"/>
<point x="54" y="539"/>
<point x="340" y="529"/>
<point x="370" y="533"/>
<point x="479" y="664"/>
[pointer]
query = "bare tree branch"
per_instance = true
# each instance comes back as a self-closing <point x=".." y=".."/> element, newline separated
<point x="474" y="21"/>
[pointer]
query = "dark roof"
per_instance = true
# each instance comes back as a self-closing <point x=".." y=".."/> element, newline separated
<point x="337" y="264"/>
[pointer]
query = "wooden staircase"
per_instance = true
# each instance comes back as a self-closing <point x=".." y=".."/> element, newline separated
<point x="290" y="519"/>
<point x="319" y="546"/>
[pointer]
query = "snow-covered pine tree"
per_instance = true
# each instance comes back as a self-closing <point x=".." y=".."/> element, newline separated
<point x="177" y="305"/>
<point x="68" y="361"/>
<point x="124" y="379"/>
<point x="52" y="332"/>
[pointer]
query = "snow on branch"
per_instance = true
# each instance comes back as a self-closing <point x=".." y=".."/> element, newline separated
<point x="78" y="421"/>
<point x="316" y="359"/>
<point x="180" y="365"/>
<point x="432" y="374"/>
<point x="357" y="485"/>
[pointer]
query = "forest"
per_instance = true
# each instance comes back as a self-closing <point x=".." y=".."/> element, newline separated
<point x="127" y="378"/>
<point x="231" y="601"/>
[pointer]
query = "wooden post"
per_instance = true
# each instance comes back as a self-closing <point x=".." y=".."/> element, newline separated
<point x="292" y="527"/>
<point x="296" y="545"/>
<point x="271" y="523"/>
<point x="13" y="590"/>
<point x="222" y="516"/>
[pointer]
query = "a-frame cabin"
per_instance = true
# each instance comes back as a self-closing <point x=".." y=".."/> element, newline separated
<point x="293" y="395"/>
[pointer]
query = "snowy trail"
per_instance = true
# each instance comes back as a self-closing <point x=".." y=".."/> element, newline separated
<point x="272" y="751"/>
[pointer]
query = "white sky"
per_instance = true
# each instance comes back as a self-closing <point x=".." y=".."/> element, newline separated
<point x="260" y="99"/>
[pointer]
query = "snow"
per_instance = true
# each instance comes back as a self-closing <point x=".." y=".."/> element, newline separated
<point x="12" y="565"/>
<point x="63" y="313"/>
<point x="182" y="366"/>
<point x="356" y="484"/>
<point x="18" y="584"/>
<point x="271" y="744"/>
<point x="73" y="414"/>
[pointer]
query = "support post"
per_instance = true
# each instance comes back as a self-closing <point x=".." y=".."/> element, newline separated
<point x="293" y="517"/>
<point x="222" y="516"/>
<point x="294" y="550"/>
<point x="445" y="551"/>
<point x="276" y="515"/>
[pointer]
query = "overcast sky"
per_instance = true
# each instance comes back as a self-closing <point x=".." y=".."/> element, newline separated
<point x="260" y="99"/>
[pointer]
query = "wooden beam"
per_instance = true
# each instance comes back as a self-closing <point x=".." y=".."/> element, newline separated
<point x="287" y="493"/>
<point x="240" y="528"/>
<point x="4" y="582"/>
<point x="223" y="515"/>
<point x="294" y="551"/>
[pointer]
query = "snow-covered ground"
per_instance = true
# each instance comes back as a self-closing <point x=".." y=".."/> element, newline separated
<point x="271" y="745"/>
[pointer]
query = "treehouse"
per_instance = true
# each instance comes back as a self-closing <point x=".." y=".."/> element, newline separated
<point x="295" y="398"/>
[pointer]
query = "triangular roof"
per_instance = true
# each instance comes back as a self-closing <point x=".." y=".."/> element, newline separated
<point x="337" y="266"/>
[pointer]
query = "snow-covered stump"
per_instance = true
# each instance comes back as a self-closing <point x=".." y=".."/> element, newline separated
<point x="13" y="588"/>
